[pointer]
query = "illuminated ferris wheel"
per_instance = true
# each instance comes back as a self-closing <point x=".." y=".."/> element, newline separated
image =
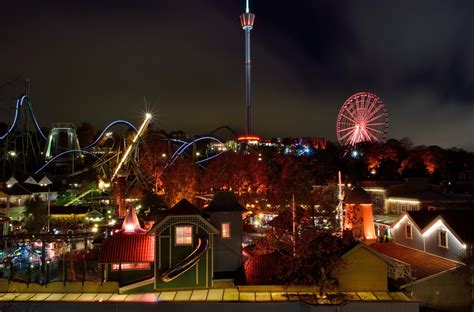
<point x="362" y="118"/>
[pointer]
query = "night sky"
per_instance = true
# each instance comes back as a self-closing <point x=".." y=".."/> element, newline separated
<point x="96" y="61"/>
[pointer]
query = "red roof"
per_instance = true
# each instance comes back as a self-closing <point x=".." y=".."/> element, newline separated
<point x="423" y="264"/>
<point x="126" y="248"/>
<point x="260" y="270"/>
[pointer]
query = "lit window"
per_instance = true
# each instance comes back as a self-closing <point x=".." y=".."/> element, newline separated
<point x="225" y="230"/>
<point x="443" y="239"/>
<point x="184" y="235"/>
<point x="408" y="233"/>
<point x="131" y="266"/>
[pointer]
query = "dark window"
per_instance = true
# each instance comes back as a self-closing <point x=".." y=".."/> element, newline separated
<point x="443" y="239"/>
<point x="408" y="233"/>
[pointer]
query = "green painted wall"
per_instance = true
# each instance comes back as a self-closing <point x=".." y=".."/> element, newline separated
<point x="196" y="275"/>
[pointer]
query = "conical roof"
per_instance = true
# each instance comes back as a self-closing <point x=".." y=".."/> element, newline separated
<point x="130" y="223"/>
<point x="358" y="196"/>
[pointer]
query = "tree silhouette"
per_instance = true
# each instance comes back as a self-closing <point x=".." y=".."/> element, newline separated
<point x="35" y="215"/>
<point x="180" y="181"/>
<point x="85" y="133"/>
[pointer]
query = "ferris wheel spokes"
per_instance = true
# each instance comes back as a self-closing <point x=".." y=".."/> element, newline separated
<point x="363" y="117"/>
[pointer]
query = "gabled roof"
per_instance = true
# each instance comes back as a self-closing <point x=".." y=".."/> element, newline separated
<point x="423" y="264"/>
<point x="169" y="220"/>
<point x="183" y="207"/>
<point x="369" y="249"/>
<point x="30" y="180"/>
<point x="183" y="212"/>
<point x="458" y="221"/>
<point x="358" y="196"/>
<point x="224" y="201"/>
<point x="45" y="181"/>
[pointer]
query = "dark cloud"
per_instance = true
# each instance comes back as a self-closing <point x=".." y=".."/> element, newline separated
<point x="97" y="60"/>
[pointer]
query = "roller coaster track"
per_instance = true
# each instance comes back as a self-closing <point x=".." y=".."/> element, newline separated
<point x="184" y="145"/>
<point x="19" y="103"/>
<point x="224" y="128"/>
<point x="113" y="123"/>
<point x="60" y="155"/>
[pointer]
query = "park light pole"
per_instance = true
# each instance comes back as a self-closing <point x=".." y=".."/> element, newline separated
<point x="47" y="182"/>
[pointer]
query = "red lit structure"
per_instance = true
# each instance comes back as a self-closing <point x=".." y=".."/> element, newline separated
<point x="130" y="223"/>
<point x="248" y="138"/>
<point x="362" y="118"/>
<point x="129" y="253"/>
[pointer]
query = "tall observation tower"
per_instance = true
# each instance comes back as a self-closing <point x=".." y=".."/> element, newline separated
<point x="246" y="21"/>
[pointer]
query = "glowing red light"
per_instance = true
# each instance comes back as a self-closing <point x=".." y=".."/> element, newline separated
<point x="248" y="138"/>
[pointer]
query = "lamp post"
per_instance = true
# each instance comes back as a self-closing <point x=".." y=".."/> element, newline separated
<point x="47" y="182"/>
<point x="10" y="183"/>
<point x="49" y="207"/>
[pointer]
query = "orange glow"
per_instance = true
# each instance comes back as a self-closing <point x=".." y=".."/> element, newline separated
<point x="248" y="138"/>
<point x="247" y="19"/>
<point x="360" y="220"/>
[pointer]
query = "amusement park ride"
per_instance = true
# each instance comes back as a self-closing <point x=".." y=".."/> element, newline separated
<point x="26" y="149"/>
<point x="362" y="118"/>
